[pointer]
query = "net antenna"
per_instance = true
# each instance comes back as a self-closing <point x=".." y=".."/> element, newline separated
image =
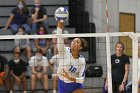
<point x="109" y="76"/>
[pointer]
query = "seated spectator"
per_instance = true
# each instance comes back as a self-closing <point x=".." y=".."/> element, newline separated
<point x="18" y="17"/>
<point x="17" y="71"/>
<point x="54" y="41"/>
<point x="54" y="64"/>
<point x="39" y="64"/>
<point x="39" y="16"/>
<point x="4" y="72"/>
<point x="42" y="44"/>
<point x="22" y="44"/>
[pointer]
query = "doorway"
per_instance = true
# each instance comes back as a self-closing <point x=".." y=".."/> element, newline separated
<point x="127" y="24"/>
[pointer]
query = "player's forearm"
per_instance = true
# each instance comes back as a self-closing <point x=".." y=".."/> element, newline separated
<point x="72" y="79"/>
<point x="60" y="42"/>
<point x="77" y="80"/>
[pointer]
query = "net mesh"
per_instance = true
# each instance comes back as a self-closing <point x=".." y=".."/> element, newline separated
<point x="96" y="54"/>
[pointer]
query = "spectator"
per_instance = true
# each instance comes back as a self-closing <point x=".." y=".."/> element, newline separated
<point x="54" y="64"/>
<point x="42" y="44"/>
<point x="4" y="72"/>
<point x="17" y="71"/>
<point x="120" y="69"/>
<point x="39" y="16"/>
<point x="22" y="44"/>
<point x="39" y="64"/>
<point x="18" y="17"/>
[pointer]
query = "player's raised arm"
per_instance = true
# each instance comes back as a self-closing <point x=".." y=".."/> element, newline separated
<point x="60" y="40"/>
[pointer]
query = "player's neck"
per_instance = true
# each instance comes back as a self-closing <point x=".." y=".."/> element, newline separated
<point x="75" y="54"/>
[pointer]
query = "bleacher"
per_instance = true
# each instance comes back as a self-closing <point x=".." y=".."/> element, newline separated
<point x="6" y="7"/>
<point x="6" y="46"/>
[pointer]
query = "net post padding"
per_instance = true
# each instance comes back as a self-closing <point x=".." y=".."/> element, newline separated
<point x="109" y="77"/>
<point x="134" y="63"/>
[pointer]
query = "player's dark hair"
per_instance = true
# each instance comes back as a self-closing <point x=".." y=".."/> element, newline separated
<point x="83" y="43"/>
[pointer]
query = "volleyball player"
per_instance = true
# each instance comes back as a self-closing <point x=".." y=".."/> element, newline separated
<point x="71" y="70"/>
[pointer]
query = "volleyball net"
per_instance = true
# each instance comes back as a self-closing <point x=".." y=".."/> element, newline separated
<point x="100" y="47"/>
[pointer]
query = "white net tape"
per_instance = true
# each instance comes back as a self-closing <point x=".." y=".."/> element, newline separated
<point x="66" y="35"/>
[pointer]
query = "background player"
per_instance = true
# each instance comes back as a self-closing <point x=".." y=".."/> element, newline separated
<point x="120" y="69"/>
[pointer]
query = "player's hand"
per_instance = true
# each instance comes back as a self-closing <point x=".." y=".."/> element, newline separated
<point x="65" y="74"/>
<point x="4" y="29"/>
<point x="60" y="25"/>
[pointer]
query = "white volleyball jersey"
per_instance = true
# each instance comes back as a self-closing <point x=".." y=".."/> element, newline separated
<point x="74" y="67"/>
